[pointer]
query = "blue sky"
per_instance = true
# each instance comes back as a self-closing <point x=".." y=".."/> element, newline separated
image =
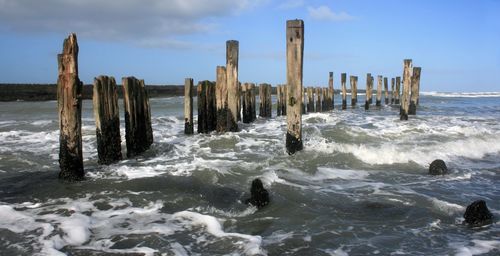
<point x="457" y="43"/>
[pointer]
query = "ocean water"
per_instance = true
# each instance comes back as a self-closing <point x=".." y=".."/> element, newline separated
<point x="359" y="187"/>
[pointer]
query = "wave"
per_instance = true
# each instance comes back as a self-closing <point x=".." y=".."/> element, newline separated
<point x="462" y="94"/>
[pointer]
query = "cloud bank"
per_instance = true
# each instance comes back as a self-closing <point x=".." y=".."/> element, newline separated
<point x="324" y="13"/>
<point x="152" y="23"/>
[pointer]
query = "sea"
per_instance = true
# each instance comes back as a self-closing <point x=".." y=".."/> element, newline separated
<point x="360" y="186"/>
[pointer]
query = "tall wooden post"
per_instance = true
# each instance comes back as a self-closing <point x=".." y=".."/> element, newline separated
<point x="368" y="91"/>
<point x="378" y="103"/>
<point x="221" y="100"/>
<point x="386" y="91"/>
<point x="415" y="87"/>
<point x="188" y="106"/>
<point x="294" y="57"/>
<point x="318" y="99"/>
<point x="278" y="100"/>
<point x="138" y="130"/>
<point x="343" y="78"/>
<point x="398" y="90"/>
<point x="405" y="98"/>
<point x="265" y="107"/>
<point x="107" y="120"/>
<point x="331" y="92"/>
<point x="233" y="94"/>
<point x="207" y="110"/>
<point x="310" y="99"/>
<point x="354" y="90"/>
<point x="393" y="91"/>
<point x="69" y="104"/>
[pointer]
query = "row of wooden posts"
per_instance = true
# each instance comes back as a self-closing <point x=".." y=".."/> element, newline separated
<point x="219" y="103"/>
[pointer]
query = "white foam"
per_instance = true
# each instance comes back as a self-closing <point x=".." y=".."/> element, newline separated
<point x="461" y="94"/>
<point x="447" y="207"/>
<point x="324" y="173"/>
<point x="76" y="229"/>
<point x="479" y="247"/>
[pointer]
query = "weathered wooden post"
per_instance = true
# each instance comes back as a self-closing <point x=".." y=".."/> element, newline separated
<point x="284" y="93"/>
<point x="265" y="107"/>
<point x="138" y="130"/>
<point x="233" y="94"/>
<point x="253" y="102"/>
<point x="318" y="99"/>
<point x="294" y="57"/>
<point x="310" y="100"/>
<point x="378" y="103"/>
<point x="393" y="91"/>
<point x="221" y="100"/>
<point x="188" y="106"/>
<point x="354" y="90"/>
<point x="343" y="78"/>
<point x="246" y="103"/>
<point x="415" y="87"/>
<point x="405" y="98"/>
<point x="278" y="100"/>
<point x="368" y="91"/>
<point x="107" y="120"/>
<point x="398" y="90"/>
<point x="331" y="91"/>
<point x="69" y="104"/>
<point x="207" y="110"/>
<point x="239" y="101"/>
<point x="386" y="91"/>
<point x="325" y="102"/>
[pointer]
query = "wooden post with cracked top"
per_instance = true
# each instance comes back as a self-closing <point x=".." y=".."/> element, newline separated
<point x="188" y="106"/>
<point x="233" y="85"/>
<point x="415" y="91"/>
<point x="405" y="97"/>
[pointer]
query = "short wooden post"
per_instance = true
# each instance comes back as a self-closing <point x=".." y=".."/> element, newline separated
<point x="354" y="90"/>
<point x="310" y="100"/>
<point x="207" y="110"/>
<point x="265" y="107"/>
<point x="284" y="93"/>
<point x="386" y="91"/>
<point x="393" y="90"/>
<point x="368" y="91"/>
<point x="415" y="87"/>
<point x="398" y="90"/>
<point x="232" y="49"/>
<point x="294" y="56"/>
<point x="138" y="130"/>
<point x="239" y="101"/>
<point x="378" y="103"/>
<point x="405" y="98"/>
<point x="253" y="102"/>
<point x="278" y="100"/>
<point x="221" y="100"/>
<point x="188" y="106"/>
<point x="246" y="103"/>
<point x="343" y="78"/>
<point x="107" y="120"/>
<point x="331" y="91"/>
<point x="69" y="104"/>
<point x="318" y="99"/>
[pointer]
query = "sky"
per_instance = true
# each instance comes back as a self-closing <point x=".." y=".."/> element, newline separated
<point x="456" y="42"/>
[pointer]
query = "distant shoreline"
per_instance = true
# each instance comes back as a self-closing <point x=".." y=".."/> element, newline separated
<point x="46" y="92"/>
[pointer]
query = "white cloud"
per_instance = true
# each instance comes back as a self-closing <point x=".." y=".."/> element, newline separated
<point x="324" y="13"/>
<point x="291" y="4"/>
<point x="137" y="21"/>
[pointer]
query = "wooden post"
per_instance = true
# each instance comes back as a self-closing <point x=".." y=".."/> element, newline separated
<point x="415" y="87"/>
<point x="233" y="94"/>
<point x="265" y="107"/>
<point x="398" y="90"/>
<point x="221" y="100"/>
<point x="343" y="78"/>
<point x="405" y="98"/>
<point x="354" y="90"/>
<point x="69" y="104"/>
<point x="386" y="91"/>
<point x="239" y="101"/>
<point x="207" y="110"/>
<point x="253" y="101"/>
<point x="107" y="120"/>
<point x="283" y="99"/>
<point x="393" y="91"/>
<point x="138" y="130"/>
<point x="310" y="100"/>
<point x="278" y="100"/>
<point x="294" y="57"/>
<point x="368" y="92"/>
<point x="331" y="92"/>
<point x="318" y="99"/>
<point x="246" y="103"/>
<point x="378" y="103"/>
<point x="188" y="106"/>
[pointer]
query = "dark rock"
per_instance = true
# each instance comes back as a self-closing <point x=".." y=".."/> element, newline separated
<point x="477" y="214"/>
<point x="438" y="167"/>
<point x="260" y="196"/>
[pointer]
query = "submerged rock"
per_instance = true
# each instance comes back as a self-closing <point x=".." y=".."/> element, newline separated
<point x="477" y="214"/>
<point x="259" y="195"/>
<point x="438" y="167"/>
